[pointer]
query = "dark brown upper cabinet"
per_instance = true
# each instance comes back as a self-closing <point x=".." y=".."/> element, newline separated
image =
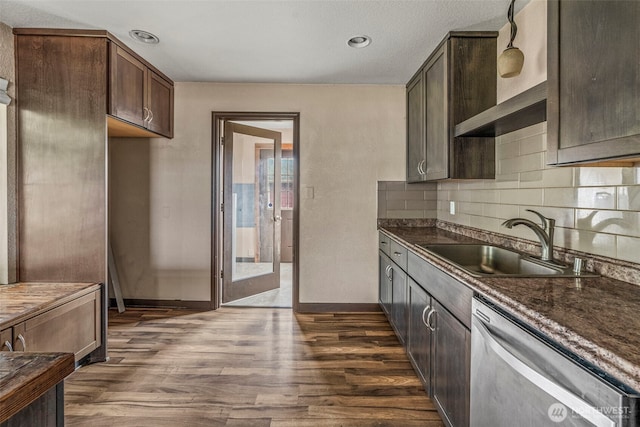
<point x="456" y="82"/>
<point x="593" y="81"/>
<point x="138" y="94"/>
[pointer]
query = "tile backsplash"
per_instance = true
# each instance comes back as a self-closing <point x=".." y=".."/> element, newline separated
<point x="399" y="200"/>
<point x="595" y="208"/>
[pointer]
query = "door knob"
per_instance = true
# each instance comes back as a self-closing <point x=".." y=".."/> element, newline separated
<point x="277" y="218"/>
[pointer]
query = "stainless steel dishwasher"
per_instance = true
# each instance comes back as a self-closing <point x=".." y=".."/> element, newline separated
<point x="519" y="378"/>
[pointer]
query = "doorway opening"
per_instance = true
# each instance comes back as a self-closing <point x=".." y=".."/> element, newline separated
<point x="255" y="221"/>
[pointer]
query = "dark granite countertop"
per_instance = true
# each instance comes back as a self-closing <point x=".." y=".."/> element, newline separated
<point x="20" y="301"/>
<point x="26" y="376"/>
<point x="596" y="318"/>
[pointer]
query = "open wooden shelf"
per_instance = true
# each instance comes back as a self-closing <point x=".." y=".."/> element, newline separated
<point x="525" y="109"/>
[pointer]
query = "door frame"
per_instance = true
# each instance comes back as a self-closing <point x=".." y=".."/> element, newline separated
<point x="216" y="198"/>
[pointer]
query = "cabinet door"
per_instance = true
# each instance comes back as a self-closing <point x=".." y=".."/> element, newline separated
<point x="399" y="302"/>
<point x="73" y="327"/>
<point x="385" y="281"/>
<point x="6" y="340"/>
<point x="160" y="104"/>
<point x="128" y="78"/>
<point x="437" y="123"/>
<point x="452" y="357"/>
<point x="416" y="159"/>
<point x="593" y="80"/>
<point x="418" y="334"/>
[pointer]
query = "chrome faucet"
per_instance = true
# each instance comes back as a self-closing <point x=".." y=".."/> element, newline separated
<point x="544" y="233"/>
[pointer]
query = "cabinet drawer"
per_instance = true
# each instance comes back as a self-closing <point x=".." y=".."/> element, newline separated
<point x="73" y="327"/>
<point x="384" y="243"/>
<point x="452" y="294"/>
<point x="398" y="254"/>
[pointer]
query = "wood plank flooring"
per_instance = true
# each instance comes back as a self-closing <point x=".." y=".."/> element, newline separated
<point x="248" y="367"/>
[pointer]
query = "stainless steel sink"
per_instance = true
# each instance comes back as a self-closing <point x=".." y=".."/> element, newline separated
<point x="487" y="260"/>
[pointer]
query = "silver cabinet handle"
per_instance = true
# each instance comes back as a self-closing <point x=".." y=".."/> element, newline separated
<point x="146" y="112"/>
<point x="421" y="166"/>
<point x="8" y="345"/>
<point x="429" y="325"/>
<point x="390" y="273"/>
<point x="150" y="114"/>
<point x="555" y="390"/>
<point x="423" y="313"/>
<point x="23" y="342"/>
<point x="397" y="253"/>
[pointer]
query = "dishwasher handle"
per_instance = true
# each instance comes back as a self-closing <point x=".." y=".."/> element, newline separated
<point x="559" y="393"/>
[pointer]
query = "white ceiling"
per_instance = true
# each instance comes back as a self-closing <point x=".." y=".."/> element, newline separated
<point x="265" y="41"/>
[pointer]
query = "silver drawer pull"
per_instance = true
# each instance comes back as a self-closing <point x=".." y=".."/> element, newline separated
<point x="423" y="313"/>
<point x="429" y="325"/>
<point x="24" y="343"/>
<point x="397" y="253"/>
<point x="8" y="345"/>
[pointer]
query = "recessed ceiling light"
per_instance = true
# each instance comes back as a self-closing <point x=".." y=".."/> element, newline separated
<point x="144" y="36"/>
<point x="359" y="41"/>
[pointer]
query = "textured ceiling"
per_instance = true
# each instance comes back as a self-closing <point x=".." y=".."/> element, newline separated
<point x="267" y="41"/>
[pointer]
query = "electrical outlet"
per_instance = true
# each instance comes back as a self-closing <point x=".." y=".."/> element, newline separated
<point x="452" y="207"/>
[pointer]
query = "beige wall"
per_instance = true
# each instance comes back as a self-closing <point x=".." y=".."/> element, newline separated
<point x="8" y="254"/>
<point x="351" y="136"/>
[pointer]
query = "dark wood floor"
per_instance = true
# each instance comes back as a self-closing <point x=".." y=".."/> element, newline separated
<point x="248" y="367"/>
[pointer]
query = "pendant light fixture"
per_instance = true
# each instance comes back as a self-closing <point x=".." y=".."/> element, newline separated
<point x="511" y="59"/>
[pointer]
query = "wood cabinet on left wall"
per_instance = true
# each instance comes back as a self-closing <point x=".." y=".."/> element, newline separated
<point x="64" y="120"/>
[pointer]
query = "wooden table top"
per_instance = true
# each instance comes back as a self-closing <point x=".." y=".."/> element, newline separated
<point x="24" y="377"/>
<point x="20" y="301"/>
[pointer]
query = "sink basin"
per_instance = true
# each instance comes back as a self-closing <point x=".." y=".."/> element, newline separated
<point x="487" y="260"/>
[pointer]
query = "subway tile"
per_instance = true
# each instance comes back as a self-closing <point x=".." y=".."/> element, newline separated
<point x="431" y="214"/>
<point x="405" y="195"/>
<point x="537" y="129"/>
<point x="430" y="195"/>
<point x="590" y="242"/>
<point x="631" y="176"/>
<point x="396" y="205"/>
<point x="629" y="198"/>
<point x="422" y="186"/>
<point x="584" y="197"/>
<point x="420" y="204"/>
<point x="509" y="150"/>
<point x="483" y="196"/>
<point x="470" y="208"/>
<point x="557" y="177"/>
<point x="499" y="211"/>
<point x="530" y="162"/>
<point x="458" y="218"/>
<point x="624" y="223"/>
<point x="564" y="217"/>
<point x="396" y="185"/>
<point x="532" y="179"/>
<point x="447" y="185"/>
<point x="595" y="177"/>
<point x="484" y="223"/>
<point x="382" y="205"/>
<point x="531" y="196"/>
<point x="506" y="180"/>
<point x="628" y="249"/>
<point x="532" y="144"/>
<point x="405" y="214"/>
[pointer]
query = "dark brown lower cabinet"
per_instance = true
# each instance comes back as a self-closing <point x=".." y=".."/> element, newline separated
<point x="419" y="334"/>
<point x="451" y="372"/>
<point x="399" y="302"/>
<point x="384" y="283"/>
<point x="6" y="340"/>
